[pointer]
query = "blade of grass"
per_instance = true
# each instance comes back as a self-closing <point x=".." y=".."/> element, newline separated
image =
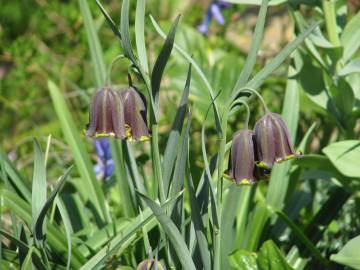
<point x="90" y="190"/>
<point x="161" y="62"/>
<point x="255" y="45"/>
<point x="172" y="232"/>
<point x="125" y="33"/>
<point x="99" y="69"/>
<point x="38" y="189"/>
<point x="174" y="136"/>
<point x="259" y="78"/>
<point x="109" y="20"/>
<point x="139" y="34"/>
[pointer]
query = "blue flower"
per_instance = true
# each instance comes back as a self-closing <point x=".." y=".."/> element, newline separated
<point x="214" y="10"/>
<point x="105" y="166"/>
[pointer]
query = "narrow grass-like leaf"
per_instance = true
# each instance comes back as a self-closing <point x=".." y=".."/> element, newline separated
<point x="27" y="265"/>
<point x="302" y="237"/>
<point x="125" y="32"/>
<point x="197" y="221"/>
<point x="54" y="237"/>
<point x="172" y="232"/>
<point x="109" y="20"/>
<point x="68" y="229"/>
<point x="90" y="186"/>
<point x="139" y="35"/>
<point x="161" y="62"/>
<point x="38" y="229"/>
<point x="255" y="45"/>
<point x="13" y="176"/>
<point x="174" y="136"/>
<point x="125" y="237"/>
<point x="99" y="70"/>
<point x="259" y="78"/>
<point x="197" y="69"/>
<point x="38" y="186"/>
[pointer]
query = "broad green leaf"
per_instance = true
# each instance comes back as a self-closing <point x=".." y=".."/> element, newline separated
<point x="91" y="189"/>
<point x="259" y="78"/>
<point x="172" y="232"/>
<point x="255" y="45"/>
<point x="351" y="67"/>
<point x="349" y="254"/>
<point x="99" y="70"/>
<point x="38" y="229"/>
<point x="125" y="33"/>
<point x="161" y="62"/>
<point x="174" y="136"/>
<point x="350" y="38"/>
<point x="139" y="34"/>
<point x="243" y="260"/>
<point x="271" y="258"/>
<point x="39" y="187"/>
<point x="345" y="156"/>
<point x="344" y="100"/>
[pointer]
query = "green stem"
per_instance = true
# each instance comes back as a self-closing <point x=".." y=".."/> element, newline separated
<point x="156" y="161"/>
<point x="108" y="75"/>
<point x="330" y="20"/>
<point x="246" y="124"/>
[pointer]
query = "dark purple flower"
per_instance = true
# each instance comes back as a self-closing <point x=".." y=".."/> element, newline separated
<point x="135" y="114"/>
<point x="273" y="142"/>
<point x="105" y="166"/>
<point x="242" y="161"/>
<point x="106" y="114"/>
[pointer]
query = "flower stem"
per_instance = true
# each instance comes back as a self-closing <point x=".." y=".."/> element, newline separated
<point x="108" y="74"/>
<point x="330" y="20"/>
<point x="156" y="159"/>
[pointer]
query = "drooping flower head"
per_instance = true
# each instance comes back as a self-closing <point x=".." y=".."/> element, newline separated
<point x="106" y="114"/>
<point x="273" y="143"/>
<point x="150" y="264"/>
<point x="135" y="114"/>
<point x="242" y="161"/>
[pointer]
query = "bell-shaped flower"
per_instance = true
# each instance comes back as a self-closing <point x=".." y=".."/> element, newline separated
<point x="273" y="142"/>
<point x="242" y="161"/>
<point x="135" y="114"/>
<point x="106" y="114"/>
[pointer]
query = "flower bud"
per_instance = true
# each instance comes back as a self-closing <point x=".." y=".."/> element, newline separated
<point x="273" y="142"/>
<point x="106" y="114"/>
<point x="241" y="161"/>
<point x="135" y="114"/>
<point x="150" y="264"/>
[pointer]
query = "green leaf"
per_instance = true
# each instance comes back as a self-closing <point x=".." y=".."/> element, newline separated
<point x="67" y="224"/>
<point x="259" y="78"/>
<point x="174" y="136"/>
<point x="198" y="71"/>
<point x="351" y="67"/>
<point x="99" y="70"/>
<point x="349" y="254"/>
<point x="139" y="34"/>
<point x="161" y="62"/>
<point x="90" y="186"/>
<point x="255" y="45"/>
<point x="109" y="20"/>
<point x="344" y="100"/>
<point x="38" y="229"/>
<point x="172" y="232"/>
<point x="350" y="38"/>
<point x="124" y="29"/>
<point x="271" y="258"/>
<point x="243" y="260"/>
<point x="344" y="156"/>
<point x="39" y="186"/>
<point x="27" y="265"/>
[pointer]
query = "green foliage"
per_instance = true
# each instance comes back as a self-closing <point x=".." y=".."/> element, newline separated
<point x="167" y="199"/>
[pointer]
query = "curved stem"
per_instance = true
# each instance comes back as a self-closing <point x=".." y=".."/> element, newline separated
<point x="246" y="124"/>
<point x="108" y="75"/>
<point x="253" y="91"/>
